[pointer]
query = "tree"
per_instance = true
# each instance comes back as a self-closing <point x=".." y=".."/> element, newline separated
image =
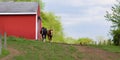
<point x="114" y="17"/>
<point x="50" y="21"/>
<point x="84" y="41"/>
<point x="70" y="40"/>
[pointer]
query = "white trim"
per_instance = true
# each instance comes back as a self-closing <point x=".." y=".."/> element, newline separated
<point x="18" y="13"/>
<point x="36" y="36"/>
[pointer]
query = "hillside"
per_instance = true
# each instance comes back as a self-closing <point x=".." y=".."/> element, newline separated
<point x="37" y="50"/>
<point x="22" y="49"/>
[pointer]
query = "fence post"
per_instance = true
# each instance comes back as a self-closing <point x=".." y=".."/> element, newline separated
<point x="0" y="44"/>
<point x="5" y="40"/>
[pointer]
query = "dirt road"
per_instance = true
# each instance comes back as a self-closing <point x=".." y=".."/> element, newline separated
<point x="97" y="54"/>
<point x="13" y="52"/>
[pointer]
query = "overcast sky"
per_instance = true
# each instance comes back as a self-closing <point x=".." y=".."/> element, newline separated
<point x="82" y="18"/>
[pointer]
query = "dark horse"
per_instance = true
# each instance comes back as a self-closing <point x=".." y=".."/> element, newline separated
<point x="50" y="34"/>
<point x="43" y="32"/>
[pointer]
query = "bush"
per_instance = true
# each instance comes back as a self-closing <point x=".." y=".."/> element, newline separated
<point x="84" y="41"/>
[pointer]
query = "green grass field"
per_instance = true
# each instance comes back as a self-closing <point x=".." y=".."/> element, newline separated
<point x="37" y="50"/>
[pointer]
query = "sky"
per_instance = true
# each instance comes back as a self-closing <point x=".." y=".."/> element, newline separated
<point x="82" y="18"/>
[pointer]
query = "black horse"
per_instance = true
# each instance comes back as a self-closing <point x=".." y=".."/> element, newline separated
<point x="43" y="33"/>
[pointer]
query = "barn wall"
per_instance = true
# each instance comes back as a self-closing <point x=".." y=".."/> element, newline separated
<point x="1" y="26"/>
<point x="19" y="25"/>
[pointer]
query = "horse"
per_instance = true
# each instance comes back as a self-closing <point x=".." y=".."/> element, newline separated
<point x="50" y="35"/>
<point x="43" y="33"/>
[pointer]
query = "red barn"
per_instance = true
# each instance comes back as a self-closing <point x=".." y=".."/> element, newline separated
<point x="20" y="19"/>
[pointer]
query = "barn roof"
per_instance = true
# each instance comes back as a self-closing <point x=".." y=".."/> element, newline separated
<point x="18" y="7"/>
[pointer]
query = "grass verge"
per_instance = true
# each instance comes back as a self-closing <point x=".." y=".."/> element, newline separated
<point x="37" y="50"/>
<point x="110" y="48"/>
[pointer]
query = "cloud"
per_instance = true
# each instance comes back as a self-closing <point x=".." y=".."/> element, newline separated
<point x="76" y="6"/>
<point x="82" y="18"/>
<point x="78" y="3"/>
<point x="95" y="14"/>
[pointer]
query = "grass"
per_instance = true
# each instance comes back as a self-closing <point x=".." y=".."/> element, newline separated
<point x="37" y="50"/>
<point x="110" y="48"/>
<point x="4" y="53"/>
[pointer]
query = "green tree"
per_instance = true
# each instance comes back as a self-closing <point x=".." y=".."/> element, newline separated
<point x="114" y="17"/>
<point x="50" y="21"/>
<point x="84" y="41"/>
<point x="70" y="40"/>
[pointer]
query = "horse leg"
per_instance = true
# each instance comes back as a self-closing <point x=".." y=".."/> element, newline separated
<point x="50" y="38"/>
<point x="42" y="37"/>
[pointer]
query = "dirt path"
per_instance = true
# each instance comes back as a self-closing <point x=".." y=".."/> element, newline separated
<point x="97" y="54"/>
<point x="13" y="52"/>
